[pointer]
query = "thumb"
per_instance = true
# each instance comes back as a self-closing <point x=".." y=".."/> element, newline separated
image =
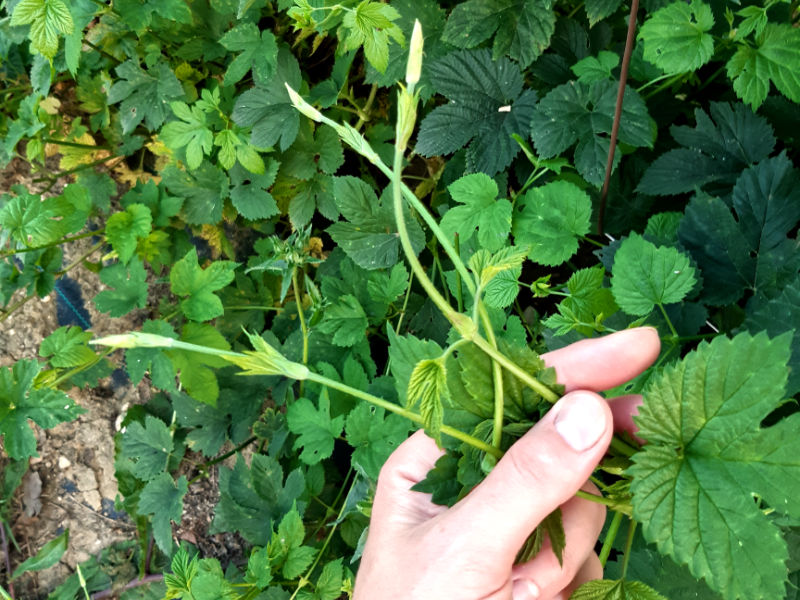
<point x="539" y="472"/>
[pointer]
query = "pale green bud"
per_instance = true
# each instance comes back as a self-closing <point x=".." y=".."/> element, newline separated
<point x="414" y="67"/>
<point x="303" y="106"/>
<point x="134" y="339"/>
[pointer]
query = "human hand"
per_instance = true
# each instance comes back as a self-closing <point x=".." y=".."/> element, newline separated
<point x="419" y="550"/>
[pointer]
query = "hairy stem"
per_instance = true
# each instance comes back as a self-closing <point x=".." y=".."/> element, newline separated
<point x="611" y="535"/>
<point x="298" y="300"/>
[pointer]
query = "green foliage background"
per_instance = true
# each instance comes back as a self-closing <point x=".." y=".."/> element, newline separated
<point x="257" y="227"/>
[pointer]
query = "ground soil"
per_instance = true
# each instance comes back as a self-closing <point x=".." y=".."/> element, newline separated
<point x="71" y="484"/>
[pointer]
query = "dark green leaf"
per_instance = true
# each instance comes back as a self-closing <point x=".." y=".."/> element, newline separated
<point x="259" y="51"/>
<point x="162" y="497"/>
<point x="144" y="94"/>
<point x="315" y="429"/>
<point x="188" y="279"/>
<point x="66" y="347"/>
<point x="46" y="557"/>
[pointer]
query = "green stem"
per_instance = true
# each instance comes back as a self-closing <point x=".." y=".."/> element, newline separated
<point x="405" y="306"/>
<point x="597" y="499"/>
<point x="669" y="323"/>
<point x="51" y="244"/>
<point x="62" y="378"/>
<point x="611" y="535"/>
<point x="644" y="86"/>
<point x="669" y="83"/>
<point x="459" y="289"/>
<point x="298" y="299"/>
<point x="15" y="307"/>
<point x="204" y="467"/>
<point x="252" y="307"/>
<point x="497" y="377"/>
<point x="621" y="447"/>
<point x="403" y="412"/>
<point x="74" y="144"/>
<point x="591" y="241"/>
<point x="628" y="545"/>
<point x="81" y="258"/>
<point x="364" y="115"/>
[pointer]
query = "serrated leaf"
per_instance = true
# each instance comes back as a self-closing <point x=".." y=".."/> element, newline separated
<point x="588" y="301"/>
<point x="550" y="220"/>
<point x="314" y="427"/>
<point x="646" y="276"/>
<point x="374" y="436"/>
<point x="267" y="107"/>
<point x="717" y="149"/>
<point x="144" y="94"/>
<point x="191" y="130"/>
<point x="249" y="194"/>
<point x="676" y="37"/>
<point x="748" y="252"/>
<point x="597" y="10"/>
<point x="140" y="360"/>
<point x="386" y="288"/>
<point x="521" y="29"/>
<point x="204" y="191"/>
<point x="198" y="285"/>
<point x="706" y="457"/>
<point x="427" y="387"/>
<point x="20" y="401"/>
<point x="346" y="321"/>
<point x="259" y="51"/>
<point x="773" y="60"/>
<point x="46" y="557"/>
<point x="66" y="347"/>
<point x="621" y="589"/>
<point x="138" y="14"/>
<point x="30" y="221"/>
<point x="487" y="105"/>
<point x="129" y="291"/>
<point x="404" y="354"/>
<point x="480" y="210"/>
<point x="577" y="113"/>
<point x="487" y="266"/>
<point x="502" y="290"/>
<point x="162" y="497"/>
<point x="591" y="69"/>
<point x="124" y="230"/>
<point x="148" y="446"/>
<point x="371" y="25"/>
<point x="329" y="584"/>
<point x="48" y="19"/>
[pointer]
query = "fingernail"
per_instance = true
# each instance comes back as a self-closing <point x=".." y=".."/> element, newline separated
<point x="524" y="590"/>
<point x="580" y="420"/>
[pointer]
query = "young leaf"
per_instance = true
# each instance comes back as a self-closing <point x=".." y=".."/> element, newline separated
<point x="190" y="130"/>
<point x="315" y="429"/>
<point x="196" y="369"/>
<point x="522" y="29"/>
<point x="20" y="401"/>
<point x="124" y="229"/>
<point x="707" y="456"/>
<point x="148" y="446"/>
<point x="371" y="25"/>
<point x="578" y="113"/>
<point x="480" y="209"/>
<point x="144" y="94"/>
<point x="487" y="105"/>
<point x="259" y="51"/>
<point x="550" y="220"/>
<point x="717" y="149"/>
<point x="198" y="285"/>
<point x="404" y="354"/>
<point x="591" y="69"/>
<point x="48" y="19"/>
<point x="622" y="589"/>
<point x="329" y="584"/>
<point x="773" y="60"/>
<point x="346" y="321"/>
<point x="162" y="497"/>
<point x="30" y="221"/>
<point x="588" y="301"/>
<point x="676" y="37"/>
<point x="428" y="387"/>
<point x="645" y="275"/>
<point x="292" y="557"/>
<point x="488" y="266"/>
<point x="46" y="557"/>
<point x="66" y="347"/>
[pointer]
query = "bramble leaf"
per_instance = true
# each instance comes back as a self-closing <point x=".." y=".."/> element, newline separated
<point x="479" y="209"/>
<point x="521" y="29"/>
<point x="48" y="19"/>
<point x="487" y="105"/>
<point x="188" y="279"/>
<point x="162" y="497"/>
<point x="773" y="60"/>
<point x="550" y="220"/>
<point x="575" y="112"/>
<point x="30" y="221"/>
<point x="707" y="459"/>
<point x="259" y="51"/>
<point x="597" y="10"/>
<point x="717" y="149"/>
<point x="386" y="288"/>
<point x="314" y="427"/>
<point x="753" y="251"/>
<point x="646" y="275"/>
<point x="66" y="347"/>
<point x="125" y="228"/>
<point x="676" y="37"/>
<point x="404" y="354"/>
<point x="20" y="401"/>
<point x="144" y="94"/>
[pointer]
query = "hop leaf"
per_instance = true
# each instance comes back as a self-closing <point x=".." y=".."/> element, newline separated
<point x="646" y="275"/>
<point x="315" y="428"/>
<point x="676" y="37"/>
<point x="707" y="457"/>
<point x="47" y="19"/>
<point x="615" y="590"/>
<point x="479" y="208"/>
<point x="198" y="285"/>
<point x="428" y="387"/>
<point x="371" y="25"/>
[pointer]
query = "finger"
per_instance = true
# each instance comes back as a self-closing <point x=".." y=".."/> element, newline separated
<point x="624" y="408"/>
<point x="602" y="363"/>
<point x="540" y="472"/>
<point x="395" y="504"/>
<point x="544" y="575"/>
<point x="591" y="569"/>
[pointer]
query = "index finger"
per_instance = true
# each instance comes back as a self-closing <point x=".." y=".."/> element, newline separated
<point x="601" y="363"/>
